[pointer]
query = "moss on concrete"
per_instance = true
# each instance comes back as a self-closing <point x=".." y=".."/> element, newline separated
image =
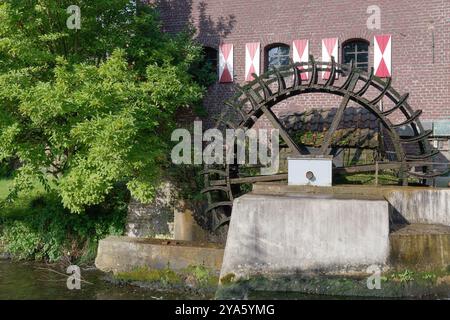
<point x="420" y="247"/>
<point x="399" y="284"/>
<point x="227" y="279"/>
<point x="193" y="278"/>
<point x="165" y="276"/>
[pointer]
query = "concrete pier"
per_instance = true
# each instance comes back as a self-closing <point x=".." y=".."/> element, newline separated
<point x="420" y="247"/>
<point x="292" y="232"/>
<point x="412" y="204"/>
<point x="123" y="254"/>
<point x="430" y="206"/>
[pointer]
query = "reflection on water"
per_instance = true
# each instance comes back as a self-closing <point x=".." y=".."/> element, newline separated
<point x="26" y="280"/>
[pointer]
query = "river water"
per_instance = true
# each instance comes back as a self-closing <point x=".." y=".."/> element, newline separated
<point x="31" y="280"/>
<point x="28" y="280"/>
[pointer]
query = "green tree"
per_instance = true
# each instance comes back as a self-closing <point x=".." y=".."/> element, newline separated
<point x="84" y="109"/>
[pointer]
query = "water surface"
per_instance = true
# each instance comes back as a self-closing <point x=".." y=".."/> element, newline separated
<point x="28" y="280"/>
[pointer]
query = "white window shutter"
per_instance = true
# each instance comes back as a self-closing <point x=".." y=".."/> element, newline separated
<point x="329" y="49"/>
<point x="252" y="59"/>
<point x="300" y="53"/>
<point x="382" y="58"/>
<point x="226" y="63"/>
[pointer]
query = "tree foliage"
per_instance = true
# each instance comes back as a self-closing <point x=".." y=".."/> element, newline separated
<point x="84" y="109"/>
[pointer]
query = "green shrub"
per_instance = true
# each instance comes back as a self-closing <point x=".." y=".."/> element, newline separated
<point x="6" y="168"/>
<point x="20" y="239"/>
<point x="50" y="232"/>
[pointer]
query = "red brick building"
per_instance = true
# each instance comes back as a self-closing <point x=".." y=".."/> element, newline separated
<point x="420" y="43"/>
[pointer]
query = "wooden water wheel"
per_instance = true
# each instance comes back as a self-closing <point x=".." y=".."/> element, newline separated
<point x="223" y="183"/>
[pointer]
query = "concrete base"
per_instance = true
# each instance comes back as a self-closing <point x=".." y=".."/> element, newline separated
<point x="420" y="247"/>
<point x="122" y="254"/>
<point x="421" y="206"/>
<point x="291" y="233"/>
<point x="411" y="204"/>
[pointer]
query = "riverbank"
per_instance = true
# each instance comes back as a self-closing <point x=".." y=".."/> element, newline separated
<point x="405" y="284"/>
<point x="31" y="280"/>
<point x="197" y="280"/>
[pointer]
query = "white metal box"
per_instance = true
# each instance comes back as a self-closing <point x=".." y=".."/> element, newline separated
<point x="310" y="171"/>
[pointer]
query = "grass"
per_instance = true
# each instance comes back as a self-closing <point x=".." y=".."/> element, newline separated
<point x="21" y="205"/>
<point x="384" y="178"/>
<point x="199" y="276"/>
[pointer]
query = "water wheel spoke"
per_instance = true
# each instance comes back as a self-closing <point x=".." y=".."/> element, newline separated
<point x="332" y="76"/>
<point x="425" y="156"/>
<point x="314" y="72"/>
<point x="382" y="93"/>
<point x="248" y="95"/>
<point x="215" y="188"/>
<point x="241" y="113"/>
<point x="411" y="118"/>
<point x="219" y="204"/>
<point x="339" y="114"/>
<point x="280" y="81"/>
<point x="265" y="88"/>
<point x="418" y="138"/>
<point x="400" y="102"/>
<point x="221" y="222"/>
<point x="297" y="75"/>
<point x="349" y="78"/>
<point x="366" y="86"/>
<point x="276" y="123"/>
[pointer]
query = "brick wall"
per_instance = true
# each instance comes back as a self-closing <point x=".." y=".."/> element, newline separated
<point x="410" y="22"/>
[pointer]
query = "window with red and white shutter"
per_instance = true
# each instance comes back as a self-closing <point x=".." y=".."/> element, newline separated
<point x="226" y="63"/>
<point x="252" y="60"/>
<point x="300" y="53"/>
<point x="329" y="49"/>
<point x="382" y="58"/>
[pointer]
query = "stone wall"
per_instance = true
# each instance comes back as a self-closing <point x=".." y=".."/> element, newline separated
<point x="124" y="254"/>
<point x="156" y="218"/>
<point x="168" y="216"/>
<point x="420" y="41"/>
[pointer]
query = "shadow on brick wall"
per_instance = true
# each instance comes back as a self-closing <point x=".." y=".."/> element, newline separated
<point x="178" y="16"/>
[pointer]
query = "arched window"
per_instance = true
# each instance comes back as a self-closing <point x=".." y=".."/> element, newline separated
<point x="211" y="57"/>
<point x="357" y="51"/>
<point x="277" y="55"/>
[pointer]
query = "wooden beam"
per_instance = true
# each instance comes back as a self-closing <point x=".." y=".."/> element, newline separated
<point x="338" y="117"/>
<point x="278" y="125"/>
<point x="276" y="177"/>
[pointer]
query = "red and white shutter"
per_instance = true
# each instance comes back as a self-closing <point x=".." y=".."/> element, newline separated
<point x="382" y="56"/>
<point x="226" y="63"/>
<point x="301" y="54"/>
<point x="329" y="49"/>
<point x="252" y="58"/>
